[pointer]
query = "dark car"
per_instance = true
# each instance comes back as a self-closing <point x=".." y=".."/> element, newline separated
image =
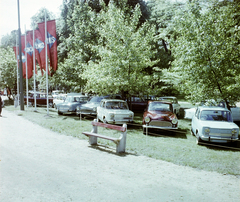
<point x="72" y="101"/>
<point x="90" y="108"/>
<point x="41" y="99"/>
<point x="159" y="115"/>
<point x="137" y="104"/>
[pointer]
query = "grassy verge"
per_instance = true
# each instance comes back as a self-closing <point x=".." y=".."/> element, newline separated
<point x="178" y="148"/>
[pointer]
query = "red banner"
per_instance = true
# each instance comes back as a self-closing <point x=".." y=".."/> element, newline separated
<point x="40" y="50"/>
<point x="51" y="43"/>
<point x="16" y="51"/>
<point x="29" y="48"/>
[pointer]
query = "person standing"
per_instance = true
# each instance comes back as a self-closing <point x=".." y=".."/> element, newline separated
<point x="1" y="103"/>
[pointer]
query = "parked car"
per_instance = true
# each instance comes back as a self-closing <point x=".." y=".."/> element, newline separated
<point x="90" y="108"/>
<point x="41" y="99"/>
<point x="233" y="108"/>
<point x="114" y="111"/>
<point x="70" y="104"/>
<point x="56" y="92"/>
<point x="59" y="99"/>
<point x="189" y="113"/>
<point x="159" y="115"/>
<point x="214" y="124"/>
<point x="138" y="104"/>
<point x="175" y="104"/>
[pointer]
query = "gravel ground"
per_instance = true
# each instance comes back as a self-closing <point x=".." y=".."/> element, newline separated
<point x="37" y="164"/>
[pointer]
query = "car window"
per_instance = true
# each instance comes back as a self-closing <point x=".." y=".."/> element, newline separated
<point x="215" y="115"/>
<point x="116" y="105"/>
<point x="158" y="106"/>
<point x="197" y="113"/>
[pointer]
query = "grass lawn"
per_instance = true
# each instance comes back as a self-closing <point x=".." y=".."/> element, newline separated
<point x="179" y="148"/>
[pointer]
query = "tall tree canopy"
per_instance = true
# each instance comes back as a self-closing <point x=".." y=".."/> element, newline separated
<point x="206" y="51"/>
<point x="124" y="53"/>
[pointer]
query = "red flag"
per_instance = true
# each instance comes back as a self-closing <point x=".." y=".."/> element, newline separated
<point x="29" y="53"/>
<point x="40" y="50"/>
<point x="51" y="42"/>
<point x="16" y="51"/>
<point x="30" y="47"/>
<point x="23" y="56"/>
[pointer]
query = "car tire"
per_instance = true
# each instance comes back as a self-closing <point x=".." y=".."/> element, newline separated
<point x="59" y="113"/>
<point x="104" y="120"/>
<point x="198" y="139"/>
<point x="192" y="132"/>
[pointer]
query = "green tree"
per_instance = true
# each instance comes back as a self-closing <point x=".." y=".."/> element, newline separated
<point x="8" y="68"/>
<point x="124" y="53"/>
<point x="206" y="51"/>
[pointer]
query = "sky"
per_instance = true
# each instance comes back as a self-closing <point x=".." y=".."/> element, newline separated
<point x="28" y="8"/>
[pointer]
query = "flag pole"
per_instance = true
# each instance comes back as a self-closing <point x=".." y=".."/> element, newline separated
<point x="46" y="47"/>
<point x="26" y="55"/>
<point x="34" y="66"/>
<point x="17" y="73"/>
<point x="20" y="63"/>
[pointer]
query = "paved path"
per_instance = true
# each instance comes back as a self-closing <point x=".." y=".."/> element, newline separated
<point x="37" y="164"/>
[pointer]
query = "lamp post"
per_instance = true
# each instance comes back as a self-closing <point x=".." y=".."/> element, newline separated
<point x="20" y="63"/>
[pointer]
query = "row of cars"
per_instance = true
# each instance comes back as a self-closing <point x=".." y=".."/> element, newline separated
<point x="209" y="123"/>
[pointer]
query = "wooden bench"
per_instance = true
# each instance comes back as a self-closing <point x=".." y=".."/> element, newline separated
<point x="120" y="142"/>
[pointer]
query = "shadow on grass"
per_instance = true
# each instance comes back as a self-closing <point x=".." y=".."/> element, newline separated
<point x="110" y="150"/>
<point x="235" y="146"/>
<point x="179" y="133"/>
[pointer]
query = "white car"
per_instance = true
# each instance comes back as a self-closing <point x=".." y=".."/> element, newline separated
<point x="175" y="104"/>
<point x="59" y="99"/>
<point x="214" y="124"/>
<point x="114" y="111"/>
<point x="189" y="113"/>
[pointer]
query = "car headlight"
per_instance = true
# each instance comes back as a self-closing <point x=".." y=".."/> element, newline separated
<point x="94" y="109"/>
<point x="130" y="115"/>
<point x="207" y="130"/>
<point x="111" y="116"/>
<point x="234" y="131"/>
<point x="78" y="108"/>
<point x="174" y="121"/>
<point x="147" y="119"/>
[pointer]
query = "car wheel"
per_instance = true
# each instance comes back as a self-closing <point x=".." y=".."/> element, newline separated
<point x="192" y="132"/>
<point x="59" y="113"/>
<point x="104" y="120"/>
<point x="198" y="139"/>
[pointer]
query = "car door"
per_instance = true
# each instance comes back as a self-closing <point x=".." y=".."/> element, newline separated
<point x="235" y="113"/>
<point x="100" y="110"/>
<point x="195" y="121"/>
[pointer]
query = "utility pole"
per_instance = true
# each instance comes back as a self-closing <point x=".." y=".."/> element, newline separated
<point x="20" y="63"/>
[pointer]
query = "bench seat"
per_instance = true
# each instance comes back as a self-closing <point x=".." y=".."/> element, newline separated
<point x="115" y="140"/>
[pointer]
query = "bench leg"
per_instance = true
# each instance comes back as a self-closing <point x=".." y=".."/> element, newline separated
<point x="92" y="140"/>
<point x="122" y="144"/>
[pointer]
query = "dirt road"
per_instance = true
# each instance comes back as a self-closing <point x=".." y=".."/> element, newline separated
<point x="37" y="164"/>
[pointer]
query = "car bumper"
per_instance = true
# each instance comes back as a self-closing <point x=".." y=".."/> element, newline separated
<point x="160" y="127"/>
<point x="218" y="139"/>
<point x="120" y="121"/>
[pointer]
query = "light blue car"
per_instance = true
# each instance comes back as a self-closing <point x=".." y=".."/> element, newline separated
<point x="214" y="124"/>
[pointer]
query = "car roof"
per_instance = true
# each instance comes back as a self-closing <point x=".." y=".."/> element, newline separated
<point x="212" y="108"/>
<point x="111" y="100"/>
<point x="161" y="101"/>
<point x="172" y="97"/>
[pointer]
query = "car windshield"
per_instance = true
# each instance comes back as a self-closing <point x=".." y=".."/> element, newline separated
<point x="216" y="115"/>
<point x="96" y="99"/>
<point x="116" y="105"/>
<point x="158" y="106"/>
<point x="76" y="99"/>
